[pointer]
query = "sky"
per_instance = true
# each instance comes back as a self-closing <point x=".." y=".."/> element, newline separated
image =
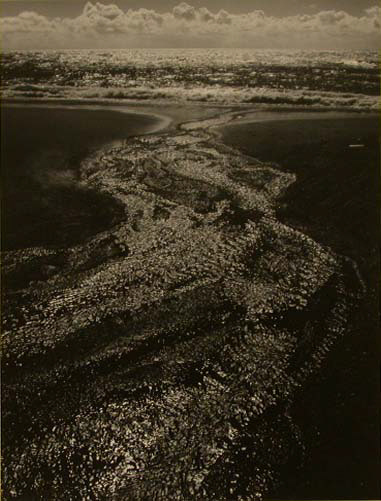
<point x="310" y="24"/>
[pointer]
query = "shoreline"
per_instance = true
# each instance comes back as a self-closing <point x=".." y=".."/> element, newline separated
<point x="212" y="120"/>
<point x="208" y="233"/>
<point x="165" y="120"/>
<point x="212" y="116"/>
<point x="170" y="106"/>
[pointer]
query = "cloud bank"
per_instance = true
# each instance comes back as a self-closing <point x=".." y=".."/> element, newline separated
<point x="108" y="26"/>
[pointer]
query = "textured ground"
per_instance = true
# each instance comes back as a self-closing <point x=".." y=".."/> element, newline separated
<point x="159" y="359"/>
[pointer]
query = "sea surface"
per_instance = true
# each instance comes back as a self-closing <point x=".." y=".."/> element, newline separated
<point x="336" y="79"/>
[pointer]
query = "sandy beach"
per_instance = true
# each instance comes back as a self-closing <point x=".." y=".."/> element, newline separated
<point x="198" y="283"/>
<point x="334" y="200"/>
<point x="43" y="200"/>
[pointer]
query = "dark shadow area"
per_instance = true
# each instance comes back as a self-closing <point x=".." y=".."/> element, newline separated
<point x="43" y="202"/>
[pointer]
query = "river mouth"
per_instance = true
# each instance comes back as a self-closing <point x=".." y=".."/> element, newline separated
<point x="200" y="323"/>
<point x="44" y="202"/>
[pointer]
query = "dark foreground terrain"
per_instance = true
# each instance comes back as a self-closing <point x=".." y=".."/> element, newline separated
<point x="170" y="355"/>
<point x="334" y="200"/>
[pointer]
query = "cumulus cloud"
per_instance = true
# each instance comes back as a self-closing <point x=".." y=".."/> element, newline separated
<point x="107" y="26"/>
<point x="184" y="11"/>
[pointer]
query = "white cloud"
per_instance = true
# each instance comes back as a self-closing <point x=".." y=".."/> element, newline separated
<point x="99" y="10"/>
<point x="373" y="11"/>
<point x="106" y="26"/>
<point x="184" y="11"/>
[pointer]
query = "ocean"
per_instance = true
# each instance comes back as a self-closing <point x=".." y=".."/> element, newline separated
<point x="341" y="79"/>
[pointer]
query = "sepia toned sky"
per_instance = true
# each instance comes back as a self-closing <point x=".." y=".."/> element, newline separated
<point x="310" y="24"/>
